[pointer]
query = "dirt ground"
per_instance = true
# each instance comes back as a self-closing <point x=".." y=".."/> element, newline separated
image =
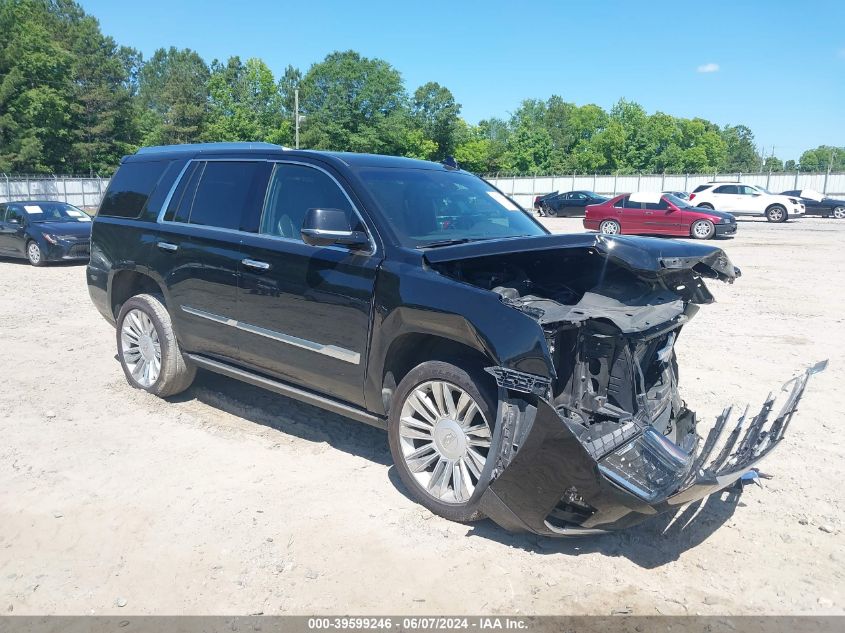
<point x="231" y="500"/>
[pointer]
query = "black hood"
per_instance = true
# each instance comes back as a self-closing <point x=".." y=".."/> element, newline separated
<point x="715" y="213"/>
<point x="75" y="228"/>
<point x="648" y="256"/>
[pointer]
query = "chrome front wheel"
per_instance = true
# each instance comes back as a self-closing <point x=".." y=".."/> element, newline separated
<point x="33" y="253"/>
<point x="839" y="213"/>
<point x="445" y="439"/>
<point x="141" y="348"/>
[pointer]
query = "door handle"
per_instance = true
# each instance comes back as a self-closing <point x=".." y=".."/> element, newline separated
<point x="167" y="246"/>
<point x="256" y="265"/>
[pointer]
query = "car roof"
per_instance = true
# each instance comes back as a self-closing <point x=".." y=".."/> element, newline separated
<point x="347" y="159"/>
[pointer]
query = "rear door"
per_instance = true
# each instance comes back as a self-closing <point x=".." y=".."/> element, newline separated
<point x="727" y="198"/>
<point x="304" y="312"/>
<point x="12" y="219"/>
<point x="632" y="217"/>
<point x="198" y="250"/>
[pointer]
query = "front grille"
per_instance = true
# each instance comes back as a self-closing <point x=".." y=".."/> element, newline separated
<point x="80" y="250"/>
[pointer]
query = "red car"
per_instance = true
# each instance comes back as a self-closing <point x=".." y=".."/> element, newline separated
<point x="647" y="213"/>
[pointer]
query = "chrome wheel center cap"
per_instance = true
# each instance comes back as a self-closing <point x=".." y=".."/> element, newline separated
<point x="145" y="344"/>
<point x="449" y="439"/>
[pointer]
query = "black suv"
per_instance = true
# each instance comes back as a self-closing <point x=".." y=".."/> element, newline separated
<point x="520" y="375"/>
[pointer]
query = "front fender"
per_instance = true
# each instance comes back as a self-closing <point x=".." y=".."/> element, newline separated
<point x="415" y="300"/>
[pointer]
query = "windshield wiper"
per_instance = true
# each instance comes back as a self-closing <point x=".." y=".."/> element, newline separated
<point x="460" y="240"/>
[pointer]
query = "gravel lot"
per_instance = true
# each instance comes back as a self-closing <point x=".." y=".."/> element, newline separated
<point x="231" y="500"/>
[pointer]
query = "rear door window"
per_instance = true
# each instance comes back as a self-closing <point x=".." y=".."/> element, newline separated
<point x="130" y="188"/>
<point x="728" y="189"/>
<point x="216" y="193"/>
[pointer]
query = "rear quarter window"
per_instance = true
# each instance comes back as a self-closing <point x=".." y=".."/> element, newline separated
<point x="700" y="188"/>
<point x="130" y="188"/>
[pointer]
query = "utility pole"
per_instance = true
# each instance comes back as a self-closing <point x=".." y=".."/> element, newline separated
<point x="296" y="116"/>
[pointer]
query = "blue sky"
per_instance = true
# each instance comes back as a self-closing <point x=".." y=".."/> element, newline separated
<point x="777" y="66"/>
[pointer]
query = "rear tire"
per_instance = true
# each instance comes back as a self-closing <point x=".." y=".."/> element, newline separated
<point x="145" y="338"/>
<point x="437" y="436"/>
<point x="839" y="213"/>
<point x="550" y="212"/>
<point x="702" y="229"/>
<point x="776" y="213"/>
<point x="610" y="227"/>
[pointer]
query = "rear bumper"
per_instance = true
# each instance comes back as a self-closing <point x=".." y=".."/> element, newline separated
<point x="544" y="480"/>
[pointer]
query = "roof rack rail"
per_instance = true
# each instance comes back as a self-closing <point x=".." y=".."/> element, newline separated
<point x="199" y="147"/>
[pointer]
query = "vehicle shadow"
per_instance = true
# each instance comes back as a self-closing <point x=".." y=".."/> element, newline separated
<point x="21" y="261"/>
<point x="289" y="416"/>
<point x="655" y="542"/>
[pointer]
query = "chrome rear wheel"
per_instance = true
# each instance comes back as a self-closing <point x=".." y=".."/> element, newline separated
<point x="141" y="347"/>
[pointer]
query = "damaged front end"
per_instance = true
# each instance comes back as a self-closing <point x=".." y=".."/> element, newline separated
<point x="605" y="440"/>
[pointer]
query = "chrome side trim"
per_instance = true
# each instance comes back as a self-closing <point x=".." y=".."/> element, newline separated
<point x="340" y="408"/>
<point x="332" y="351"/>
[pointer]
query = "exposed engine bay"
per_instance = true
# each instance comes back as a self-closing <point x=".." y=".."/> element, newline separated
<point x="605" y="439"/>
<point x="610" y="334"/>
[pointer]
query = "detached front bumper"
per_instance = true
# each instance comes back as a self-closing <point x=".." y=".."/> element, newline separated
<point x="544" y="480"/>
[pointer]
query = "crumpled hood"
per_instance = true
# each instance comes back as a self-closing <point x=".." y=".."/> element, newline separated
<point x="647" y="256"/>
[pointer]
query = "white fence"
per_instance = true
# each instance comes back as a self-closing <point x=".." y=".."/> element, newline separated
<point x="87" y="192"/>
<point x="523" y="189"/>
<point x="84" y="193"/>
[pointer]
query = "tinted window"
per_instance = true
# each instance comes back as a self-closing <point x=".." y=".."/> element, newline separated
<point x="621" y="202"/>
<point x="179" y="208"/>
<point x="748" y="191"/>
<point x="657" y="206"/>
<point x="2" y="212"/>
<point x="130" y="188"/>
<point x="293" y="190"/>
<point x="628" y="204"/>
<point x="222" y="194"/>
<point x="727" y="189"/>
<point x="700" y="188"/>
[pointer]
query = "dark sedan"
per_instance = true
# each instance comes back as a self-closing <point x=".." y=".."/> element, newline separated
<point x="43" y="231"/>
<point x="569" y="203"/>
<point x="816" y="203"/>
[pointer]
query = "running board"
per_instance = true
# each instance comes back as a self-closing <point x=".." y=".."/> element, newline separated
<point x="290" y="391"/>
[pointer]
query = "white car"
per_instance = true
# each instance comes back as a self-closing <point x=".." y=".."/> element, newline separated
<point x="740" y="199"/>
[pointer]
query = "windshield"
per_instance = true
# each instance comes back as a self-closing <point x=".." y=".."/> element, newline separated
<point x="54" y="212"/>
<point x="427" y="207"/>
<point x="678" y="202"/>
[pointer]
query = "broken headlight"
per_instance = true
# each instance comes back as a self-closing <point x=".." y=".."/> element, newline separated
<point x="649" y="466"/>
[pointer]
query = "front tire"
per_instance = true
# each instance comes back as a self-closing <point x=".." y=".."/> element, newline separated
<point x="610" y="227"/>
<point x="34" y="253"/>
<point x="776" y="213"/>
<point x="148" y="350"/>
<point x="702" y="229"/>
<point x="439" y="430"/>
<point x="839" y="213"/>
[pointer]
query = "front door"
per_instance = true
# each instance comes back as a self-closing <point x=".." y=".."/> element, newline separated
<point x="304" y="311"/>
<point x="12" y="220"/>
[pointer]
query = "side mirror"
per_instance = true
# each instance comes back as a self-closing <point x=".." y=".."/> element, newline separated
<point x="326" y="227"/>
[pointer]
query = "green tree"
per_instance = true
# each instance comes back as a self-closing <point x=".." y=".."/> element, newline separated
<point x="245" y="103"/>
<point x="822" y="158"/>
<point x="435" y="114"/>
<point x="741" y="154"/>
<point x="354" y="103"/>
<point x="173" y="93"/>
